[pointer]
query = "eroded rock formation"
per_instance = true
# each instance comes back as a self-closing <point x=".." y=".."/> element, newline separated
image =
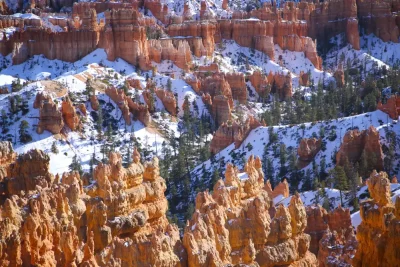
<point x="332" y="235"/>
<point x="7" y="156"/>
<point x="127" y="106"/>
<point x="50" y="116"/>
<point x="232" y="132"/>
<point x="69" y="114"/>
<point x="391" y="107"/>
<point x="232" y="225"/>
<point x="307" y="150"/>
<point x="168" y="99"/>
<point x="117" y="221"/>
<point x="355" y="143"/>
<point x="378" y="234"/>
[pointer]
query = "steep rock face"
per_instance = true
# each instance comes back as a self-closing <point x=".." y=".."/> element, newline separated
<point x="260" y="83"/>
<point x="159" y="10"/>
<point x="69" y="114"/>
<point x="232" y="132"/>
<point x="307" y="150"/>
<point x="7" y="156"/>
<point x="233" y="226"/>
<point x="177" y="50"/>
<point x="205" y="30"/>
<point x="332" y="235"/>
<point x="352" y="34"/>
<point x="221" y="109"/>
<point x="119" y="98"/>
<point x="67" y="45"/>
<point x="355" y="143"/>
<point x="50" y="117"/>
<point x="135" y="83"/>
<point x="391" y="107"/>
<point x="168" y="99"/>
<point x="379" y="18"/>
<point x="28" y="171"/>
<point x="281" y="84"/>
<point x="339" y="76"/>
<point x="124" y="37"/>
<point x="303" y="78"/>
<point x="378" y="234"/>
<point x="238" y="86"/>
<point x="94" y="102"/>
<point x="117" y="221"/>
<point x="263" y="34"/>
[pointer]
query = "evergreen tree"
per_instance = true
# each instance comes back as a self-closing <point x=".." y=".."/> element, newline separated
<point x="283" y="158"/>
<point x="54" y="148"/>
<point x="340" y="180"/>
<point x="24" y="136"/>
<point x="76" y="165"/>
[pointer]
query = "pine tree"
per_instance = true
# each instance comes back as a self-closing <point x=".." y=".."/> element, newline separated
<point x="54" y="148"/>
<point x="24" y="136"/>
<point x="340" y="179"/>
<point x="283" y="158"/>
<point x="76" y="165"/>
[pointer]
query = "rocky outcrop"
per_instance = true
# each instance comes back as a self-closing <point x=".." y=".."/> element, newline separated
<point x="221" y="109"/>
<point x="50" y="117"/>
<point x="339" y="76"/>
<point x="135" y="83"/>
<point x="355" y="143"/>
<point x="282" y="188"/>
<point x="352" y="35"/>
<point x="232" y="132"/>
<point x="232" y="225"/>
<point x="121" y="100"/>
<point x="70" y="115"/>
<point x="303" y="78"/>
<point x="332" y="235"/>
<point x="378" y="233"/>
<point x="260" y="83"/>
<point x="29" y="171"/>
<point x="281" y="84"/>
<point x="168" y="99"/>
<point x="117" y="221"/>
<point x="307" y="150"/>
<point x="380" y="18"/>
<point x="391" y="107"/>
<point x="177" y="51"/>
<point x="94" y="102"/>
<point x="238" y="86"/>
<point x="7" y="156"/>
<point x="205" y="30"/>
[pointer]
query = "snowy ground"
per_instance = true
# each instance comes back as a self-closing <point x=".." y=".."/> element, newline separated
<point x="291" y="136"/>
<point x="373" y="53"/>
<point x="73" y="76"/>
